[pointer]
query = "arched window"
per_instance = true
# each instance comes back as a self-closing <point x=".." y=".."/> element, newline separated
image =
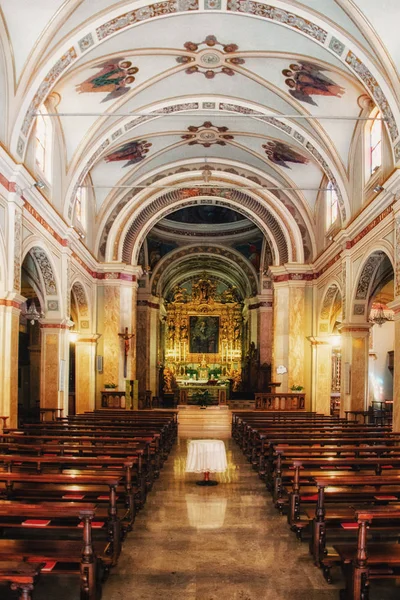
<point x="332" y="204"/>
<point x="43" y="143"/>
<point x="81" y="207"/>
<point x="375" y="144"/>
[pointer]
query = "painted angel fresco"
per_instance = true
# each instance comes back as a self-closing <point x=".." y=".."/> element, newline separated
<point x="280" y="154"/>
<point x="114" y="77"/>
<point x="133" y="152"/>
<point x="306" y="79"/>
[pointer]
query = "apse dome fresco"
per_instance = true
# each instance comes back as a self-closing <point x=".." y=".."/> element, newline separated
<point x="233" y="124"/>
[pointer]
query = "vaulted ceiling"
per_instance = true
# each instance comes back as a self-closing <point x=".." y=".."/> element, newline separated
<point x="191" y="102"/>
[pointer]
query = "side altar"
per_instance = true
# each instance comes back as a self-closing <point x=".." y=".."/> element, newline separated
<point x="203" y="342"/>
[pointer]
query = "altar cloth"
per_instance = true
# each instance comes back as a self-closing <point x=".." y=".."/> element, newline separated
<point x="206" y="456"/>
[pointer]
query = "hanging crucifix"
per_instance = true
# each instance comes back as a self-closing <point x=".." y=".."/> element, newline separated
<point x="126" y="337"/>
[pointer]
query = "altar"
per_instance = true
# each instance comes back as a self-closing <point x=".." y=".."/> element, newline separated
<point x="202" y="342"/>
<point x="192" y="393"/>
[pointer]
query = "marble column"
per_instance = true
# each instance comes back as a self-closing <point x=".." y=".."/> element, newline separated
<point x="321" y="380"/>
<point x="142" y="344"/>
<point x="395" y="306"/>
<point x="54" y="365"/>
<point x="289" y="333"/>
<point x="9" y="333"/>
<point x="35" y="362"/>
<point x="265" y="314"/>
<point x="85" y="372"/>
<point x="133" y="369"/>
<point x="111" y="340"/>
<point x="355" y="353"/>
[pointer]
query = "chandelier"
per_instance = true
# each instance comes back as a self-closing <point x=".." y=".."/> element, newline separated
<point x="32" y="314"/>
<point x="380" y="314"/>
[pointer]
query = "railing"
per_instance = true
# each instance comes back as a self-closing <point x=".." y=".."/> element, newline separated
<point x="280" y="401"/>
<point x="113" y="399"/>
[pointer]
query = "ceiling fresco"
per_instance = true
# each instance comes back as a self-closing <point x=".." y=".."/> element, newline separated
<point x="219" y="119"/>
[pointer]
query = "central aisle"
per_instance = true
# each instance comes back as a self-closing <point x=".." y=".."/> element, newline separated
<point x="221" y="543"/>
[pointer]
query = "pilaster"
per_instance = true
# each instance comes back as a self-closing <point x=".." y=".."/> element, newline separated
<point x="321" y="379"/>
<point x="85" y="372"/>
<point x="395" y="306"/>
<point x="54" y="364"/>
<point x="289" y="333"/>
<point x="9" y="332"/>
<point x="355" y="353"/>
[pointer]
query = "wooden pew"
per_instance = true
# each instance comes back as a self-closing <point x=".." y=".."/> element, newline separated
<point x="51" y="486"/>
<point x="364" y="562"/>
<point x="21" y="576"/>
<point x="80" y="553"/>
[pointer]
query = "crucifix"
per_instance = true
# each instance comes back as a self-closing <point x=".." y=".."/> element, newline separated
<point x="126" y="337"/>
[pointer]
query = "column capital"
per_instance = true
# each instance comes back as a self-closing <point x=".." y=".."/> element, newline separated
<point x="319" y="341"/>
<point x="292" y="274"/>
<point x="90" y="338"/>
<point x="11" y="299"/>
<point x="358" y="329"/>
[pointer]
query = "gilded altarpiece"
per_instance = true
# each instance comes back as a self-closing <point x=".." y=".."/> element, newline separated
<point x="203" y="335"/>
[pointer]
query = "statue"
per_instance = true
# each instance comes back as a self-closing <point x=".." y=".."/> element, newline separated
<point x="168" y="380"/>
<point x="179" y="294"/>
<point x="236" y="379"/>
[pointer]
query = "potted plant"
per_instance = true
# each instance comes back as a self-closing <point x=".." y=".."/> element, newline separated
<point x="202" y="398"/>
<point x="297" y="388"/>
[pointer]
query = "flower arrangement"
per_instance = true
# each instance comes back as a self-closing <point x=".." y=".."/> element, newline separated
<point x="110" y="386"/>
<point x="297" y="388"/>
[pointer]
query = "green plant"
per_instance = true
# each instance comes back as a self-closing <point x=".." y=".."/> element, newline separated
<point x="110" y="386"/>
<point x="297" y="388"/>
<point x="202" y="398"/>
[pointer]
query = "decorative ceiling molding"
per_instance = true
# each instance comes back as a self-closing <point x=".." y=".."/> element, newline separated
<point x="297" y="133"/>
<point x="225" y="256"/>
<point x="141" y="223"/>
<point x="302" y="21"/>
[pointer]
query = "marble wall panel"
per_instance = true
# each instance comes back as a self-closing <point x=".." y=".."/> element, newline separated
<point x="359" y="372"/>
<point x="50" y="369"/>
<point x="324" y="379"/>
<point x="112" y="350"/>
<point x="296" y="336"/>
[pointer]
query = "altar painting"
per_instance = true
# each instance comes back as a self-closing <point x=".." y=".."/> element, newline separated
<point x="203" y="334"/>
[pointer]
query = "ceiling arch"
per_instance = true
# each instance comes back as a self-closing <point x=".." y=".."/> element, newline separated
<point x="111" y="23"/>
<point x="226" y="263"/>
<point x="279" y="235"/>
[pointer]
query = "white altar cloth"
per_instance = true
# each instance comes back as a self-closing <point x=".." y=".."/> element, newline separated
<point x="206" y="456"/>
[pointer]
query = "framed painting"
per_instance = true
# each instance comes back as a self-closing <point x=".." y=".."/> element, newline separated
<point x="203" y="335"/>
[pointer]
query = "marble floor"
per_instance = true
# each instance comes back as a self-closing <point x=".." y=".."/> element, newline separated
<point x="224" y="542"/>
<point x="221" y="543"/>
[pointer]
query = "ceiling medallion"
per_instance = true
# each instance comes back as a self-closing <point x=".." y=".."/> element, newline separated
<point x="210" y="62"/>
<point x="207" y="135"/>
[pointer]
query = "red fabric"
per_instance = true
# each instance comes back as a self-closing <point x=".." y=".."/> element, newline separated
<point x="312" y="498"/>
<point x="95" y="524"/>
<point x="349" y="525"/>
<point x="73" y="496"/>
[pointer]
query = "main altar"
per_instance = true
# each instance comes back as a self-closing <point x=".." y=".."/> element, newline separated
<point x="203" y="342"/>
